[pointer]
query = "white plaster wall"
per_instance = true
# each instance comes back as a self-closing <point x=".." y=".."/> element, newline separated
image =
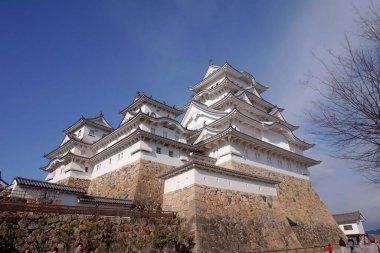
<point x="127" y="117"/>
<point x="63" y="172"/>
<point x="295" y="149"/>
<point x="198" y="119"/>
<point x="159" y="112"/>
<point x="68" y="199"/>
<point x="261" y="164"/>
<point x="140" y="150"/>
<point x="127" y="133"/>
<point x="216" y="180"/>
<point x="212" y="99"/>
<point x="159" y="129"/>
<point x="50" y="176"/>
<point x="360" y="227"/>
<point x="357" y="228"/>
<point x="34" y="193"/>
<point x="275" y="139"/>
<point x="98" y="134"/>
<point x="241" y="83"/>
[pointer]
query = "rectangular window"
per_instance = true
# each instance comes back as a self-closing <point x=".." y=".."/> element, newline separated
<point x="153" y="130"/>
<point x="347" y="227"/>
<point x="86" y="169"/>
<point x="176" y="137"/>
<point x="165" y="134"/>
<point x="158" y="150"/>
<point x="91" y="133"/>
<point x="171" y="153"/>
<point x="110" y="160"/>
<point x="98" y="166"/>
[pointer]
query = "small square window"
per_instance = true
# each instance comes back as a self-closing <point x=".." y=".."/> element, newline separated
<point x="347" y="227"/>
<point x="171" y="153"/>
<point x="158" y="150"/>
<point x="91" y="133"/>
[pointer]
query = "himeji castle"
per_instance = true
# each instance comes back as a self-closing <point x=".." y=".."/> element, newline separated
<point x="232" y="166"/>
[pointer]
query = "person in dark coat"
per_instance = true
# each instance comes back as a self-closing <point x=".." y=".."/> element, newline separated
<point x="342" y="245"/>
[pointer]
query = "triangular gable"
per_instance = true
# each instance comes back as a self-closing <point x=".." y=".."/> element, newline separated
<point x="101" y="121"/>
<point x="245" y="98"/>
<point x="211" y="69"/>
<point x="65" y="139"/>
<point x="127" y="117"/>
<point x="206" y="133"/>
<point x="197" y="116"/>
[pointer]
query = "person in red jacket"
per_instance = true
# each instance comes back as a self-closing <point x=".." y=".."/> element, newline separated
<point x="329" y="248"/>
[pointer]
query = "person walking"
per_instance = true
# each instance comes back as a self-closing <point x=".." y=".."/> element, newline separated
<point x="342" y="245"/>
<point x="351" y="244"/>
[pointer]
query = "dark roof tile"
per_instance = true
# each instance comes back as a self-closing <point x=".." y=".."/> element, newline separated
<point x="46" y="185"/>
<point x="102" y="200"/>
<point x="348" y="217"/>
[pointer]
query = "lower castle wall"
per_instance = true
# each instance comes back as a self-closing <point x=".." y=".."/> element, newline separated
<point x="137" y="181"/>
<point x="76" y="182"/>
<point x="302" y="205"/>
<point x="231" y="221"/>
<point x="43" y="232"/>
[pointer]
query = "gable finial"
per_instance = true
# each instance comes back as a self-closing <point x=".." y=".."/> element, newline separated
<point x="210" y="62"/>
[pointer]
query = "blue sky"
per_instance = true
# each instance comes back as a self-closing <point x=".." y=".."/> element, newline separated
<point x="63" y="59"/>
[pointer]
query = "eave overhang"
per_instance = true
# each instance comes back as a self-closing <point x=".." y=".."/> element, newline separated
<point x="84" y="121"/>
<point x="138" y="135"/>
<point x="232" y="133"/>
<point x="216" y="169"/>
<point x="206" y="110"/>
<point x="67" y="158"/>
<point x="276" y="126"/>
<point x="226" y="83"/>
<point x="65" y="148"/>
<point x="145" y="99"/>
<point x="231" y="98"/>
<point x="227" y="68"/>
<point x="136" y="119"/>
<point x="37" y="184"/>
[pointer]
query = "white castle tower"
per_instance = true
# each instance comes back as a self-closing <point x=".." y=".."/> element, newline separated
<point x="232" y="168"/>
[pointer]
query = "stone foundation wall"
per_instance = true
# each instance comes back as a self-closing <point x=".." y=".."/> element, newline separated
<point x="232" y="221"/>
<point x="137" y="181"/>
<point x="121" y="183"/>
<point x="313" y="224"/>
<point x="150" y="189"/>
<point x="43" y="232"/>
<point x="76" y="182"/>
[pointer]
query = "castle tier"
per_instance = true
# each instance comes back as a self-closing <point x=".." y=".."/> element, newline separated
<point x="233" y="167"/>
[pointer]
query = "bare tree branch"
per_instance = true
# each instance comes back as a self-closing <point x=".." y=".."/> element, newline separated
<point x="348" y="114"/>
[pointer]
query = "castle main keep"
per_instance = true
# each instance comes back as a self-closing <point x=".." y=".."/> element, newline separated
<point x="231" y="167"/>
